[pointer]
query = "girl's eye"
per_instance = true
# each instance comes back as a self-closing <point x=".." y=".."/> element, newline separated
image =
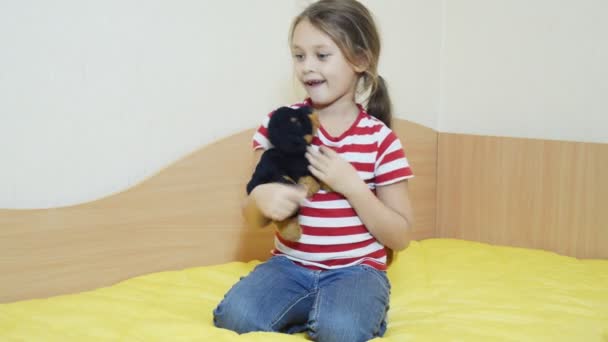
<point x="322" y="55"/>
<point x="298" y="56"/>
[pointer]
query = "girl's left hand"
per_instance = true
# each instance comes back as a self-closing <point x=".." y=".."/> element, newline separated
<point x="329" y="167"/>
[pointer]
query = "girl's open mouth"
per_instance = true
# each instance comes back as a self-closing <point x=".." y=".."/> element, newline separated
<point x="314" y="83"/>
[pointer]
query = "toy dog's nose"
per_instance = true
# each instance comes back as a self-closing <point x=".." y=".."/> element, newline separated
<point x="295" y="121"/>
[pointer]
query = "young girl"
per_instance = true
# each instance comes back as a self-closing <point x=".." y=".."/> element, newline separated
<point x="332" y="282"/>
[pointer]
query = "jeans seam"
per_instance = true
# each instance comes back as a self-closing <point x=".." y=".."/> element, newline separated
<point x="379" y="325"/>
<point x="284" y="312"/>
<point x="383" y="278"/>
<point x="312" y="322"/>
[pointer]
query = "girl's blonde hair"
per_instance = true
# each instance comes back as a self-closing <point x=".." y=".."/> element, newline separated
<point x="351" y="26"/>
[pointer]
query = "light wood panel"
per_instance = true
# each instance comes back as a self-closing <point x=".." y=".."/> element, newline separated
<point x="187" y="215"/>
<point x="420" y="145"/>
<point x="532" y="193"/>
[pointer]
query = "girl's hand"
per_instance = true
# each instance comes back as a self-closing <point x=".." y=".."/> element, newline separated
<point x="329" y="167"/>
<point x="278" y="201"/>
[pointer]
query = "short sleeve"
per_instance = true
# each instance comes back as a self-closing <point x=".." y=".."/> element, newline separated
<point x="260" y="137"/>
<point x="391" y="163"/>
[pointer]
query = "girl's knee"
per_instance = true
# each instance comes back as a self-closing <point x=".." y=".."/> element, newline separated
<point x="237" y="317"/>
<point x="341" y="329"/>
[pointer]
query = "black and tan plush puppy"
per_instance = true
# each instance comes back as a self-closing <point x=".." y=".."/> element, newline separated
<point x="290" y="131"/>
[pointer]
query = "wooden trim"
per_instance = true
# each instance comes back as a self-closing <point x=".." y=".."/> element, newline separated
<point x="187" y="215"/>
<point x="420" y="145"/>
<point x="524" y="192"/>
<point x="519" y="192"/>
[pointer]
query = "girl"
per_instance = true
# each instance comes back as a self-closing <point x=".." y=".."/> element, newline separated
<point x="332" y="282"/>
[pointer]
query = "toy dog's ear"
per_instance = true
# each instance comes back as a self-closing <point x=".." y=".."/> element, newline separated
<point x="314" y="120"/>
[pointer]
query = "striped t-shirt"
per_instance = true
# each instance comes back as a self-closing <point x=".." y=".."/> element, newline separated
<point x="333" y="236"/>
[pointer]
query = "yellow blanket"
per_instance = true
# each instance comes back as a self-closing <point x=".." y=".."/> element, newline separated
<point x="443" y="290"/>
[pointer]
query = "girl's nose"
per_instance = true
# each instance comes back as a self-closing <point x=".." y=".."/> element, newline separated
<point x="309" y="65"/>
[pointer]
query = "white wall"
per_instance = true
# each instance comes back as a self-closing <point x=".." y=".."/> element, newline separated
<point x="96" y="96"/>
<point x="411" y="42"/>
<point x="522" y="68"/>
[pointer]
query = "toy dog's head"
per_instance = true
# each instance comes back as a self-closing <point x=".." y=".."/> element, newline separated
<point x="291" y="130"/>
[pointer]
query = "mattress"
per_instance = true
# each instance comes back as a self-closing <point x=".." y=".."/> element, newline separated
<point x="442" y="290"/>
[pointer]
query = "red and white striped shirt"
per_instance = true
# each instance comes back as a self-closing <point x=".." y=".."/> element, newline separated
<point x="333" y="236"/>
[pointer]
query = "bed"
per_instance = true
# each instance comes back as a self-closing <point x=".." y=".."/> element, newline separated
<point x="495" y="258"/>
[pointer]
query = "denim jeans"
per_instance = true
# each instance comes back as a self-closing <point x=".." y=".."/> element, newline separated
<point x="347" y="304"/>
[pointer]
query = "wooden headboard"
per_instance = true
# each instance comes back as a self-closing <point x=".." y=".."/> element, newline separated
<point x="186" y="215"/>
<point x="519" y="192"/>
<point x="532" y="193"/>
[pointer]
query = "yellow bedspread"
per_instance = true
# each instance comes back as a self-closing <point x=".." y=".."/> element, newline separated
<point x="443" y="290"/>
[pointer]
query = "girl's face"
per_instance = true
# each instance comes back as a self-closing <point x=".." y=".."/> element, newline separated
<point x="321" y="67"/>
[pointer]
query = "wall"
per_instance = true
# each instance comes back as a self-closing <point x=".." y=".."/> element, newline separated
<point x="411" y="38"/>
<point x="534" y="69"/>
<point x="97" y="96"/>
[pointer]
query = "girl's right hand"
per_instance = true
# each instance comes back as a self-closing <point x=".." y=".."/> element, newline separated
<point x="278" y="201"/>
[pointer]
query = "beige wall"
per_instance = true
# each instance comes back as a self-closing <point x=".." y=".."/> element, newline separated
<point x="533" y="69"/>
<point x="97" y="96"/>
<point x="411" y="37"/>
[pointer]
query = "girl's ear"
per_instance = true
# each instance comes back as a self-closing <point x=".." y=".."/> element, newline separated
<point x="361" y="63"/>
<point x="359" y="69"/>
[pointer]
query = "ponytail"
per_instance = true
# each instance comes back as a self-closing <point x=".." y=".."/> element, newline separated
<point x="379" y="103"/>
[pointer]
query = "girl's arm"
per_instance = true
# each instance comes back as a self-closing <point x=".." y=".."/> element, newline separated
<point x="387" y="215"/>
<point x="271" y="201"/>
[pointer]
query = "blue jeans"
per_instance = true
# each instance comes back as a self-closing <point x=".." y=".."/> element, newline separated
<point x="347" y="304"/>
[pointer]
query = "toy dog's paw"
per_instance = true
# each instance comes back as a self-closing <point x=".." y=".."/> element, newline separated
<point x="289" y="229"/>
<point x="311" y="184"/>
<point x="325" y="187"/>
